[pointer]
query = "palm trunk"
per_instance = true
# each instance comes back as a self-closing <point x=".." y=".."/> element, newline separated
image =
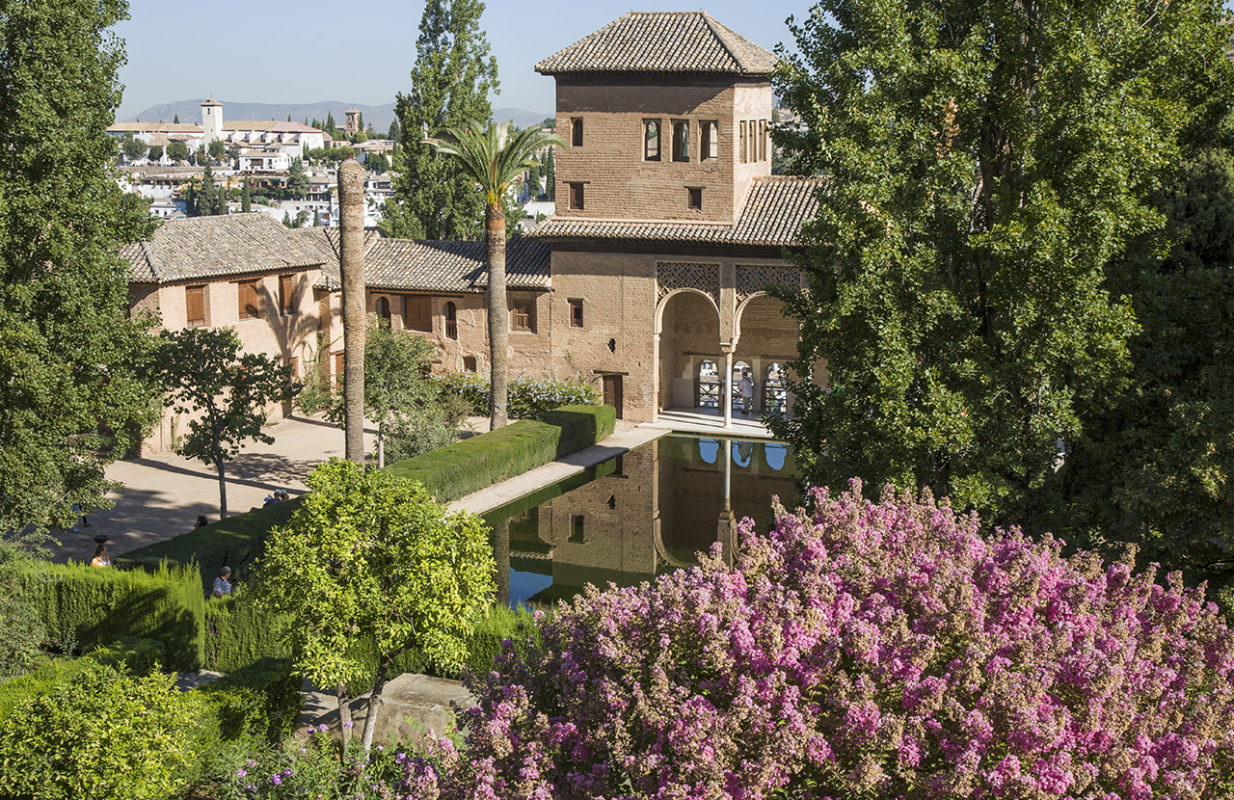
<point x="351" y="258"/>
<point x="498" y="314"/>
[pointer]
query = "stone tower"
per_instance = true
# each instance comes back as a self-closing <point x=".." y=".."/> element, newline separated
<point x="211" y="120"/>
<point x="352" y="123"/>
<point x="665" y="115"/>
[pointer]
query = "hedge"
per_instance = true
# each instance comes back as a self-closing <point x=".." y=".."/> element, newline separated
<point x="449" y="472"/>
<point x="472" y="464"/>
<point x="93" y="606"/>
<point x="239" y="634"/>
<point x="258" y="703"/>
<point x="138" y="655"/>
<point x="527" y="397"/>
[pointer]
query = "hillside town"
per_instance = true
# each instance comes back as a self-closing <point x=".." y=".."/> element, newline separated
<point x="832" y="403"/>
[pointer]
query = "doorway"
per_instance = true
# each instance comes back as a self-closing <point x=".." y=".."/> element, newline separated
<point x="612" y="392"/>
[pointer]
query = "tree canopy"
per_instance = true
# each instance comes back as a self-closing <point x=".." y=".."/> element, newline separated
<point x="984" y="163"/>
<point x="450" y="84"/>
<point x="73" y="391"/>
<point x="370" y="555"/>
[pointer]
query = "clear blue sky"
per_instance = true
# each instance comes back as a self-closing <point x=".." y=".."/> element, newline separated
<point x="362" y="52"/>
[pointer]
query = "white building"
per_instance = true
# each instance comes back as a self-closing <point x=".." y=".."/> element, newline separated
<point x="294" y="137"/>
<point x="266" y="159"/>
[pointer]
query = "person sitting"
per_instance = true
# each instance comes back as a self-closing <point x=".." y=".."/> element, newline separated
<point x="222" y="584"/>
<point x="101" y="557"/>
<point x="201" y="522"/>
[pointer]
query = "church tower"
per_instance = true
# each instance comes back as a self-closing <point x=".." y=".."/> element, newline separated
<point x="211" y="120"/>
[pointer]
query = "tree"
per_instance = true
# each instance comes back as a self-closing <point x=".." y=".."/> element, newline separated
<point x="208" y="199"/>
<point x="226" y="391"/>
<point x="983" y="167"/>
<point x="377" y="162"/>
<point x="864" y="650"/>
<point x="246" y="197"/>
<point x="1155" y="469"/>
<point x="330" y="123"/>
<point x="549" y="165"/>
<point x="297" y="180"/>
<point x="132" y="147"/>
<point x="370" y="556"/>
<point x="155" y="153"/>
<point x="176" y="120"/>
<point x="450" y="83"/>
<point x="489" y="157"/>
<point x="74" y="391"/>
<point x="216" y="149"/>
<point x="395" y="134"/>
<point x="178" y="151"/>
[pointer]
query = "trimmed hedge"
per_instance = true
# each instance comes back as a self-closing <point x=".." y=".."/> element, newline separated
<point x="138" y="655"/>
<point x="472" y="464"/>
<point x="527" y="397"/>
<point x="238" y="634"/>
<point x="259" y="703"/>
<point x="95" y="606"/>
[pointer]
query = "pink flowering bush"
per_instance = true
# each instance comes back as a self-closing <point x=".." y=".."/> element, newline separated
<point x="869" y="650"/>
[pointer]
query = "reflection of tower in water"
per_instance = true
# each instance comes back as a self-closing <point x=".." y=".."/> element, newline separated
<point x="647" y="512"/>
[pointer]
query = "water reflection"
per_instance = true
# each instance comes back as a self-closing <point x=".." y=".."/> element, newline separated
<point x="646" y="512"/>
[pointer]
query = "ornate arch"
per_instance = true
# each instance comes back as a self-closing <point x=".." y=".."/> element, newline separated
<point x="753" y="279"/>
<point x="665" y="297"/>
<point x="702" y="277"/>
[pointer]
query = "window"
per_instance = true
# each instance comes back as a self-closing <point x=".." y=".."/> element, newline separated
<point x="576" y="196"/>
<point x="577" y="522"/>
<point x="576" y="132"/>
<point x="576" y="313"/>
<point x="762" y="140"/>
<point x="418" y="314"/>
<point x="469" y="363"/>
<point x="709" y="148"/>
<point x="452" y="322"/>
<point x="195" y="305"/>
<point x="383" y="309"/>
<point x="247" y="299"/>
<point x="681" y="141"/>
<point x="651" y="140"/>
<point x="695" y="197"/>
<point x="523" y="314"/>
<point x="741" y="151"/>
<point x="287" y="289"/>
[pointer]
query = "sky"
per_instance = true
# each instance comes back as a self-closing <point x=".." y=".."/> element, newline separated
<point x="280" y="52"/>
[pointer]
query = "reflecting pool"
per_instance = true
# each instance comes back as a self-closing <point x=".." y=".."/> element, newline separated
<point x="642" y="513"/>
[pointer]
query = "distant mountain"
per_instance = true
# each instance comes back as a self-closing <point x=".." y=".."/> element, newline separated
<point x="377" y="116"/>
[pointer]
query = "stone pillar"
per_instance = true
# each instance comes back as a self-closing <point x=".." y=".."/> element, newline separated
<point x="351" y="265"/>
<point x="727" y="392"/>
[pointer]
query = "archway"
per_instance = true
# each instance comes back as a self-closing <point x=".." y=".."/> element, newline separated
<point x="689" y="327"/>
<point x="767" y="338"/>
<point x="383" y="309"/>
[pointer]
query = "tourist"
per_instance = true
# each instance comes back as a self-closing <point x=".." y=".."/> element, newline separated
<point x="222" y="584"/>
<point x="101" y="557"/>
<point x="201" y="522"/>
<point x="747" y="392"/>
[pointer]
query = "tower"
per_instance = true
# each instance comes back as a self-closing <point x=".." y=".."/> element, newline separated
<point x="665" y="115"/>
<point x="352" y="123"/>
<point x="211" y="120"/>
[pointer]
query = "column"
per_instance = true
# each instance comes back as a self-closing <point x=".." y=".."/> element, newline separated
<point x="727" y="393"/>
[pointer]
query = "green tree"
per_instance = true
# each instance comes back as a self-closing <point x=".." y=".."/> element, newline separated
<point x="177" y="151"/>
<point x="533" y="181"/>
<point x="246" y="198"/>
<point x="549" y="166"/>
<point x="155" y="153"/>
<point x="206" y="200"/>
<point x="395" y="134"/>
<point x="226" y="391"/>
<point x="984" y="163"/>
<point x="450" y="84"/>
<point x="1156" y="468"/>
<point x="494" y="160"/>
<point x="24" y="632"/>
<point x="73" y="389"/>
<point x="370" y="556"/>
<point x="377" y="162"/>
<point x="216" y="149"/>
<point x="297" y="180"/>
<point x="330" y="123"/>
<point x="176" y="120"/>
<point x="132" y="147"/>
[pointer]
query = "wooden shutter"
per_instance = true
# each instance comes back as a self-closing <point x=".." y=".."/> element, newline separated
<point x="195" y="305"/>
<point x="418" y="313"/>
<point x="247" y="300"/>
<point x="286" y="292"/>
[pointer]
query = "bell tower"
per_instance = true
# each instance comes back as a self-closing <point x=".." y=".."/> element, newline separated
<point x="211" y="120"/>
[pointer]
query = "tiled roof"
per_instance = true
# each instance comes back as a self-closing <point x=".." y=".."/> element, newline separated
<point x="771" y="217"/>
<point x="272" y="125"/>
<point x="150" y="127"/>
<point x="432" y="266"/>
<point x="662" y="41"/>
<point x="207" y="247"/>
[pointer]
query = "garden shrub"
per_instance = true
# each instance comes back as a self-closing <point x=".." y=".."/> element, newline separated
<point x="102" y="733"/>
<point x="138" y="656"/>
<point x="238" y="633"/>
<point x="259" y="703"/>
<point x="867" y="650"/>
<point x="527" y="397"/>
<point x="472" y="464"/>
<point x="24" y="633"/>
<point x="92" y="606"/>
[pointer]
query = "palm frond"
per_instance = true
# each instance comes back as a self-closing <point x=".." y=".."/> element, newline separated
<point x="492" y="157"/>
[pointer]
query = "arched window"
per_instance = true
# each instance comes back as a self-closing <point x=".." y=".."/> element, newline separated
<point x="451" y="321"/>
<point x="383" y="309"/>
<point x="708" y="450"/>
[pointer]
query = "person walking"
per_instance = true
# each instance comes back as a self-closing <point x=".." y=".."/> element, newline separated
<point x="746" y="387"/>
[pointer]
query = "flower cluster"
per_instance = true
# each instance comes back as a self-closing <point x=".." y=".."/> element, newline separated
<point x="867" y="649"/>
<point x="527" y="396"/>
<point x="317" y="766"/>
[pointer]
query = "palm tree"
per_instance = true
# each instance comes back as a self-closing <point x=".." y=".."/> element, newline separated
<point x="495" y="159"/>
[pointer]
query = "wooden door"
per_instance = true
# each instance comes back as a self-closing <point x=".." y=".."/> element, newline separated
<point x="612" y="392"/>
